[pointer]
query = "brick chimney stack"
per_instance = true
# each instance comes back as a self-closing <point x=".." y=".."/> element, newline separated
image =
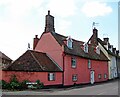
<point x="95" y="33"/>
<point x="94" y="37"/>
<point x="35" y="41"/>
<point x="49" y="23"/>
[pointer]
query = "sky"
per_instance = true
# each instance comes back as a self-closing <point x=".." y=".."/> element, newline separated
<point x="21" y="20"/>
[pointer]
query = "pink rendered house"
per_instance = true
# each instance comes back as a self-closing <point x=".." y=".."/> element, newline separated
<point x="80" y="62"/>
<point x="60" y="60"/>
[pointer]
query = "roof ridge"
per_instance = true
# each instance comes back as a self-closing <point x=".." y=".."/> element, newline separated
<point x="36" y="60"/>
<point x="60" y="35"/>
<point x="67" y="36"/>
<point x="36" y="51"/>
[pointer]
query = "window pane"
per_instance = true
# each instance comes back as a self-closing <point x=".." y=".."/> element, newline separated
<point x="99" y="76"/>
<point x="89" y="64"/>
<point x="105" y="75"/>
<point x="69" y="43"/>
<point x="73" y="62"/>
<point x="74" y="77"/>
<point x="51" y="76"/>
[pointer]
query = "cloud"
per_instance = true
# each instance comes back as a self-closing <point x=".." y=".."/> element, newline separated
<point x="62" y="26"/>
<point x="63" y="8"/>
<point x="95" y="8"/>
<point x="15" y="30"/>
<point x="18" y="8"/>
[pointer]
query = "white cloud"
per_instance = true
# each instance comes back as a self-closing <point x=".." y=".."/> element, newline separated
<point x="63" y="26"/>
<point x="15" y="31"/>
<point x="95" y="8"/>
<point x="18" y="8"/>
<point x="63" y="8"/>
<point x="23" y="19"/>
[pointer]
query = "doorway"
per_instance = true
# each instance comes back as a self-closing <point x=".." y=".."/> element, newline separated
<point x="92" y="77"/>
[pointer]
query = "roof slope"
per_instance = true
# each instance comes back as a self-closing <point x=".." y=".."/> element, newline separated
<point x="77" y="49"/>
<point x="3" y="56"/>
<point x="109" y="52"/>
<point x="34" y="61"/>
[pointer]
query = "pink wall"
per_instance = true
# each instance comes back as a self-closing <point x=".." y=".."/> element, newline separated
<point x="82" y="70"/>
<point x="33" y="76"/>
<point x="100" y="67"/>
<point x="49" y="45"/>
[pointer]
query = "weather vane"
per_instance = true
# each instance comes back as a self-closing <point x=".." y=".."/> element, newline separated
<point x="28" y="46"/>
<point x="94" y="24"/>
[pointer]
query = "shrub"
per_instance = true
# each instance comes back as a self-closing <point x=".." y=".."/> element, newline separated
<point x="4" y="84"/>
<point x="14" y="83"/>
<point x="39" y="84"/>
<point x="24" y="85"/>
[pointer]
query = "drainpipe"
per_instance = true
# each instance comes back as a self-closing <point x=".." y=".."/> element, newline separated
<point x="63" y="55"/>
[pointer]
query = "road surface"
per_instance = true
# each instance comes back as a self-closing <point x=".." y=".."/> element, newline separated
<point x="109" y="88"/>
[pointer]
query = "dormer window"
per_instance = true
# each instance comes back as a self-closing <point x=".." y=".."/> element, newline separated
<point x="98" y="50"/>
<point x="69" y="42"/>
<point x="85" y="47"/>
<point x="111" y="48"/>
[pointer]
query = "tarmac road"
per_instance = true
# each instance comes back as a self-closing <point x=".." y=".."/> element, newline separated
<point x="109" y="88"/>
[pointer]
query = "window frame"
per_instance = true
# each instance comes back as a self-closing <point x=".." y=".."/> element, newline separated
<point x="85" y="47"/>
<point x="105" y="76"/>
<point x="73" y="62"/>
<point x="99" y="76"/>
<point x="51" y="77"/>
<point x="89" y="64"/>
<point x="98" y="50"/>
<point x="69" y="43"/>
<point x="74" y="77"/>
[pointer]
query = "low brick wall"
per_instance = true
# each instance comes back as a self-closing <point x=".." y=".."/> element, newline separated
<point x="32" y="76"/>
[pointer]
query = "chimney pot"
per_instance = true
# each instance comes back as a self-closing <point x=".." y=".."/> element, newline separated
<point x="114" y="50"/>
<point x="48" y="12"/>
<point x="95" y="32"/>
<point x="106" y="40"/>
<point x="36" y="36"/>
<point x="117" y="52"/>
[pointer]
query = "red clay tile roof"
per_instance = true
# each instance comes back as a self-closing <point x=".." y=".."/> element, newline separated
<point x="34" y="61"/>
<point x="77" y="50"/>
<point x="3" y="56"/>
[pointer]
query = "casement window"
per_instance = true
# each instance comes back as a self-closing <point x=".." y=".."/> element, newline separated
<point x="73" y="62"/>
<point x="89" y="64"/>
<point x="85" y="47"/>
<point x="105" y="76"/>
<point x="97" y="50"/>
<point x="99" y="76"/>
<point x="69" y="42"/>
<point x="51" y="76"/>
<point x="74" y="77"/>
